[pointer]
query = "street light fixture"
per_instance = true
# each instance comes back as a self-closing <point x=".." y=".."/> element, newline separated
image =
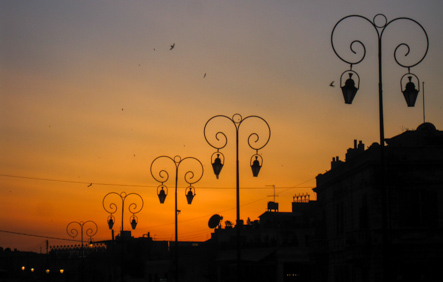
<point x="162" y="190"/>
<point x="189" y="194"/>
<point x="410" y="93"/>
<point x="72" y="231"/>
<point x="256" y="164"/>
<point x="133" y="208"/>
<point x="380" y="23"/>
<point x="349" y="90"/>
<point x="217" y="165"/>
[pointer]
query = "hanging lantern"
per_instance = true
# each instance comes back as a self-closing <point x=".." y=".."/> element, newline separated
<point x="217" y="165"/>
<point x="189" y="194"/>
<point x="256" y="166"/>
<point x="134" y="221"/>
<point x="110" y="221"/>
<point x="162" y="193"/>
<point x="410" y="93"/>
<point x="348" y="89"/>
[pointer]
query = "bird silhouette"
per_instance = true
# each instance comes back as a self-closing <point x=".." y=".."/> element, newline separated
<point x="90" y="185"/>
<point x="204" y="75"/>
<point x="172" y="46"/>
<point x="332" y="84"/>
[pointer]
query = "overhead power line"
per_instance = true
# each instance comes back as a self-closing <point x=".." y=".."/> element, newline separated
<point x="89" y="184"/>
<point x="40" y="236"/>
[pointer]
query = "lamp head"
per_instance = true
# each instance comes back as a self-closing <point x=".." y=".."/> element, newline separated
<point x="349" y="90"/>
<point x="162" y="195"/>
<point x="110" y="221"/>
<point x="133" y="222"/>
<point x="410" y="93"/>
<point x="256" y="166"/>
<point x="217" y="165"/>
<point x="189" y="195"/>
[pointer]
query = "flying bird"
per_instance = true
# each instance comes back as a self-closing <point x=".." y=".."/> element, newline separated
<point x="204" y="75"/>
<point x="332" y="84"/>
<point x="90" y="185"/>
<point x="172" y="46"/>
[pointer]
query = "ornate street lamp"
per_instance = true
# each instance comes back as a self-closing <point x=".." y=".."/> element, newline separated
<point x="133" y="208"/>
<point x="74" y="232"/>
<point x="380" y="23"/>
<point x="220" y="142"/>
<point x="162" y="191"/>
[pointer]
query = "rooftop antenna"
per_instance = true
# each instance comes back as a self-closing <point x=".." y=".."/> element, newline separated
<point x="274" y="192"/>
<point x="424" y="112"/>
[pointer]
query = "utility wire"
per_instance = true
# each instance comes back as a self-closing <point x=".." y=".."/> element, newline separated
<point x="142" y="186"/>
<point x="40" y="236"/>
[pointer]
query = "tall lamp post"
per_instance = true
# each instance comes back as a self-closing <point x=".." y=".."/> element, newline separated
<point x="72" y="231"/>
<point x="256" y="160"/>
<point x="162" y="191"/>
<point x="349" y="90"/>
<point x="111" y="208"/>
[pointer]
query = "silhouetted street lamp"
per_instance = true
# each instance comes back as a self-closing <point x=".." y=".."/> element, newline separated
<point x="162" y="190"/>
<point x="410" y="93"/>
<point x="112" y="208"/>
<point x="133" y="208"/>
<point x="256" y="160"/>
<point x="74" y="232"/>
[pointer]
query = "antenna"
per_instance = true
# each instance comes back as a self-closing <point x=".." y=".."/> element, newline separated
<point x="424" y="112"/>
<point x="274" y="192"/>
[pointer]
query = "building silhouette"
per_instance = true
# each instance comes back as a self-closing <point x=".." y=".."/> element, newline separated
<point x="350" y="211"/>
<point x="277" y="247"/>
<point x="337" y="238"/>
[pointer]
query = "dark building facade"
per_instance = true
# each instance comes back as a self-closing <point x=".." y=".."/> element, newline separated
<point x="340" y="237"/>
<point x="350" y="216"/>
<point x="274" y="248"/>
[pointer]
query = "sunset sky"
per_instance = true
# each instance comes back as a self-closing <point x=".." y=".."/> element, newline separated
<point x="90" y="92"/>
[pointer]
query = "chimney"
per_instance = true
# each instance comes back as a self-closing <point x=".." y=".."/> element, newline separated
<point x="335" y="162"/>
<point x="361" y="146"/>
<point x="354" y="152"/>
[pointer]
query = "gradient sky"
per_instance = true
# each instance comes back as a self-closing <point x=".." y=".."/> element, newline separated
<point x="91" y="93"/>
